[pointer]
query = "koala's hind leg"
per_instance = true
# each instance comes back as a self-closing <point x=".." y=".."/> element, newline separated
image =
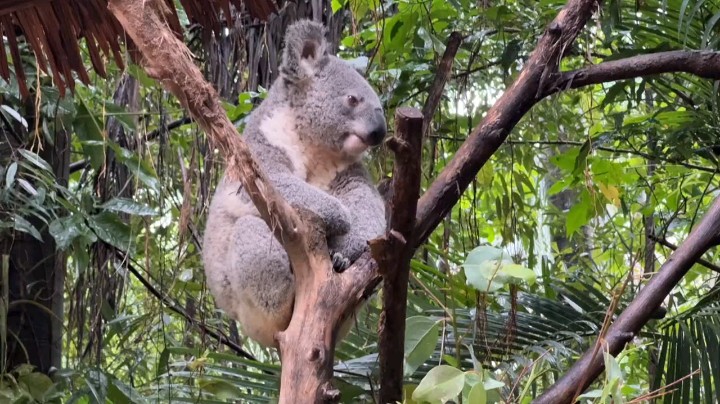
<point x="260" y="288"/>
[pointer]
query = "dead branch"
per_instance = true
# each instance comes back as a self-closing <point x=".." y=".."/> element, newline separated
<point x="705" y="235"/>
<point x="393" y="252"/>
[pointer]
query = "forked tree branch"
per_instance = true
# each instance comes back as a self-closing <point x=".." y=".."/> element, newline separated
<point x="705" y="235"/>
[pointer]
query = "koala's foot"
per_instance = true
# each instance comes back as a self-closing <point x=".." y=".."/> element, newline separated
<point x="339" y="261"/>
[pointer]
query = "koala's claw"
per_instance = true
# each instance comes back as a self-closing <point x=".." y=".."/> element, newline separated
<point x="339" y="261"/>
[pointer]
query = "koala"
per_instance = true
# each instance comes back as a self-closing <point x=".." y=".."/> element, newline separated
<point x="308" y="136"/>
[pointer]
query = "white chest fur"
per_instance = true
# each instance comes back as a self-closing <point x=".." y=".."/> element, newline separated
<point x="314" y="165"/>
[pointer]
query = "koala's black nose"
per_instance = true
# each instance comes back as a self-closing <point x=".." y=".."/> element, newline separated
<point x="380" y="129"/>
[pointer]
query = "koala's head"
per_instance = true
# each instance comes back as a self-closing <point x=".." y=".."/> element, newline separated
<point x="335" y="107"/>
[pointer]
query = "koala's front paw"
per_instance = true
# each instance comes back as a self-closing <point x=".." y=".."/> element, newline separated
<point x="345" y="250"/>
<point x="339" y="261"/>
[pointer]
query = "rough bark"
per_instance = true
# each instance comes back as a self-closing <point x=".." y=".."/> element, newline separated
<point x="704" y="236"/>
<point x="441" y="76"/>
<point x="393" y="253"/>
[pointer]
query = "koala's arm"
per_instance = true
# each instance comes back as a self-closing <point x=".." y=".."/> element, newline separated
<point x="356" y="191"/>
<point x="303" y="195"/>
<point x="299" y="193"/>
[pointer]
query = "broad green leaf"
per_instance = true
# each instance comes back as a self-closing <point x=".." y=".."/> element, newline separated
<point x="24" y="226"/>
<point x="421" y="334"/>
<point x="37" y="384"/>
<point x="408" y="390"/>
<point x="477" y="394"/>
<point x="336" y="5"/>
<point x="487" y="271"/>
<point x="138" y="166"/>
<point x="120" y="114"/>
<point x="89" y="131"/>
<point x="492" y="384"/>
<point x="520" y="272"/>
<point x="66" y="229"/>
<point x="597" y="393"/>
<point x="35" y="160"/>
<point x="120" y="393"/>
<point x="128" y="206"/>
<point x="10" y="175"/>
<point x="441" y="384"/>
<point x="9" y="112"/>
<point x="577" y="217"/>
<point x="110" y="229"/>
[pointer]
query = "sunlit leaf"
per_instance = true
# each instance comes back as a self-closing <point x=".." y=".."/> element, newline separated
<point x="441" y="384"/>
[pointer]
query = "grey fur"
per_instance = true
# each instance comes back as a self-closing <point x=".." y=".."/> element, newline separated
<point x="308" y="136"/>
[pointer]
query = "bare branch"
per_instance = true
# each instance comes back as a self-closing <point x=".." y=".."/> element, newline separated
<point x="707" y="264"/>
<point x="441" y="77"/>
<point x="704" y="64"/>
<point x="640" y="310"/>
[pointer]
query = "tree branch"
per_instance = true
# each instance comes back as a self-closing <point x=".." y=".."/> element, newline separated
<point x="639" y="311"/>
<point x="441" y="76"/>
<point x="704" y="64"/>
<point x="707" y="264"/>
<point x="487" y="137"/>
<point x="393" y="253"/>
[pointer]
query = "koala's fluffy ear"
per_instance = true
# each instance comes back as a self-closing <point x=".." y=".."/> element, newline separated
<point x="305" y="50"/>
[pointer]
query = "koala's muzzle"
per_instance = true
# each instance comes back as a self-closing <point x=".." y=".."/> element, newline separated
<point x="377" y="128"/>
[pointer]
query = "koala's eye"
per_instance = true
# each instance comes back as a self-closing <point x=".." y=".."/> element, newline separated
<point x="352" y="101"/>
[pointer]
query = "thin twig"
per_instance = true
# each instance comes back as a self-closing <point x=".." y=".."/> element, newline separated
<point x="170" y="304"/>
<point x="707" y="264"/>
<point x="613" y="150"/>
